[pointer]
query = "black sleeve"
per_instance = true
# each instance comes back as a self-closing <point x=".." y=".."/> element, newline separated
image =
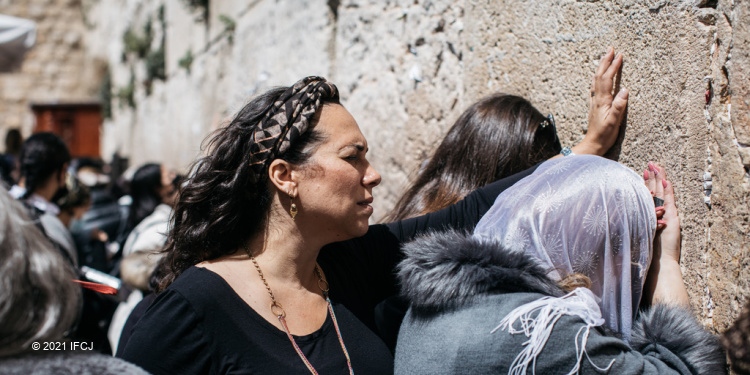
<point x="462" y="215"/>
<point x="132" y="320"/>
<point x="169" y="338"/>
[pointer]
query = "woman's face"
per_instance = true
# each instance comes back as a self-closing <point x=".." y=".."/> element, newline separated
<point x="167" y="190"/>
<point x="335" y="187"/>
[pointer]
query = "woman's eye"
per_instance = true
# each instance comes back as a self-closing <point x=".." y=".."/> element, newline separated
<point x="352" y="157"/>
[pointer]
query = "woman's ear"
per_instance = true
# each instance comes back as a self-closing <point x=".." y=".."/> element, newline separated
<point x="282" y="175"/>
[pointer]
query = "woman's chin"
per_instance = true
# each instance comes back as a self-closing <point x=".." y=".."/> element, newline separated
<point x="361" y="229"/>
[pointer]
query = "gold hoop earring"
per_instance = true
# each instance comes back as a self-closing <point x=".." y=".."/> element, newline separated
<point x="293" y="209"/>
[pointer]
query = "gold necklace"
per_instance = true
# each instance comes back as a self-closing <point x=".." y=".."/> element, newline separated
<point x="277" y="310"/>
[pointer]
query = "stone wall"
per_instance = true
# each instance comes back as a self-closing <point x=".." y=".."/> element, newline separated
<point x="406" y="70"/>
<point x="259" y="44"/>
<point x="678" y="66"/>
<point x="55" y="69"/>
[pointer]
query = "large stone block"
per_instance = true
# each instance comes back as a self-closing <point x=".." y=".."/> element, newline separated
<point x="398" y="65"/>
<point x="548" y="51"/>
<point x="279" y="43"/>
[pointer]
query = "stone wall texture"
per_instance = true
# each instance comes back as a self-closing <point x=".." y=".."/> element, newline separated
<point x="407" y="69"/>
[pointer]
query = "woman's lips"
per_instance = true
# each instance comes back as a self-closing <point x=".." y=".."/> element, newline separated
<point x="366" y="205"/>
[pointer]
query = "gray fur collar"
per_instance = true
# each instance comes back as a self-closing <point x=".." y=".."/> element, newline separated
<point x="446" y="270"/>
<point x="443" y="271"/>
<point x="676" y="329"/>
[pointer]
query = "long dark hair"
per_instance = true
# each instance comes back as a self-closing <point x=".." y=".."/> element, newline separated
<point x="496" y="137"/>
<point x="224" y="202"/>
<point x="144" y="189"/>
<point x="42" y="156"/>
<point x="13" y="141"/>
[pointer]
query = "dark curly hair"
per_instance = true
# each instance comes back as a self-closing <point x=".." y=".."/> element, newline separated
<point x="496" y="137"/>
<point x="224" y="203"/>
<point x="42" y="156"/>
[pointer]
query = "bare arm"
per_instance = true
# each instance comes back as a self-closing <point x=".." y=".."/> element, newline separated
<point x="664" y="281"/>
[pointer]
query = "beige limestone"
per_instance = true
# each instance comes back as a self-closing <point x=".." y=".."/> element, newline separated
<point x="548" y="55"/>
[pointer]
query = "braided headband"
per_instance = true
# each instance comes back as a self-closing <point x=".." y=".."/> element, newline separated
<point x="287" y="119"/>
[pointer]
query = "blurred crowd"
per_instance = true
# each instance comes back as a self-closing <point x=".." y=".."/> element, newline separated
<point x="108" y="227"/>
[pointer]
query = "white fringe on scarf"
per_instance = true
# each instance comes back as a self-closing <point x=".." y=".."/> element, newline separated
<point x="537" y="319"/>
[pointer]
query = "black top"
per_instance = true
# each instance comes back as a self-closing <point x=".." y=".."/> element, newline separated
<point x="199" y="325"/>
<point x="135" y="315"/>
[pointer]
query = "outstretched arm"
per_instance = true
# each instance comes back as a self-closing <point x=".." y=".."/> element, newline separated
<point x="606" y="108"/>
<point x="664" y="281"/>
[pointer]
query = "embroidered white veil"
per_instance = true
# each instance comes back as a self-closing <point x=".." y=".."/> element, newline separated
<point x="582" y="214"/>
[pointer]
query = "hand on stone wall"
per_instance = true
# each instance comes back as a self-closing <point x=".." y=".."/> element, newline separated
<point x="664" y="282"/>
<point x="607" y="108"/>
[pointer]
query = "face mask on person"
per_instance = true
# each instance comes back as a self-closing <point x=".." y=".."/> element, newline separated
<point x="75" y="225"/>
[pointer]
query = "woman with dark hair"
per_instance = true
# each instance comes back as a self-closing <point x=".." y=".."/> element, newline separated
<point x="43" y="163"/>
<point x="151" y="185"/>
<point x="501" y="135"/>
<point x="271" y="265"/>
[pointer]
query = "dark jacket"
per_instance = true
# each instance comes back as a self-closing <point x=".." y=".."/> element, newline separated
<point x="461" y="288"/>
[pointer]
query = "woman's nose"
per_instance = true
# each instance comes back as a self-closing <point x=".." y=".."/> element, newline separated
<point x="372" y="177"/>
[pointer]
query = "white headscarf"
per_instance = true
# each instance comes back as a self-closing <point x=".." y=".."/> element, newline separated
<point x="582" y="214"/>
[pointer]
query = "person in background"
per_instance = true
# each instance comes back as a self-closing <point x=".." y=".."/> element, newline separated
<point x="150" y="234"/>
<point x="44" y="161"/>
<point x="43" y="164"/>
<point x="150" y="186"/>
<point x="141" y="253"/>
<point x="100" y="226"/>
<point x="31" y="266"/>
<point x="73" y="201"/>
